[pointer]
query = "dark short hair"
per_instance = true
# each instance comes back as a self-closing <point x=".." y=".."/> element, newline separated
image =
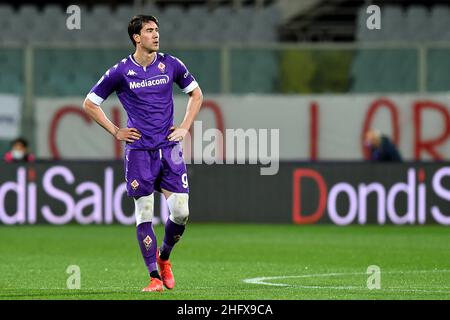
<point x="135" y="25"/>
<point x="20" y="140"/>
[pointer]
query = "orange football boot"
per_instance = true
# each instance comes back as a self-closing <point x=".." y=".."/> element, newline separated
<point x="165" y="270"/>
<point x="154" y="285"/>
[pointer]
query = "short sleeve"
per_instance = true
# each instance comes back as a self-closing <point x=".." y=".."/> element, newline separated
<point x="105" y="86"/>
<point x="183" y="78"/>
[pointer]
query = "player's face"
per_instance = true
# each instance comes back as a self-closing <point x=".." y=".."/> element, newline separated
<point x="149" y="37"/>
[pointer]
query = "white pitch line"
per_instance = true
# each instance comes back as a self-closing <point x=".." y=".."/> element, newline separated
<point x="263" y="281"/>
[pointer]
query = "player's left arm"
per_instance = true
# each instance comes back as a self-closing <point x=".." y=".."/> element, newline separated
<point x="193" y="107"/>
<point x="187" y="83"/>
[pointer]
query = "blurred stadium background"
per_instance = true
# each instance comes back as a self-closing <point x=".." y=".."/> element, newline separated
<point x="302" y="48"/>
<point x="311" y="68"/>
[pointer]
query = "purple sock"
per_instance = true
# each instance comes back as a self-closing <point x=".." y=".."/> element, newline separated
<point x="147" y="242"/>
<point x="173" y="233"/>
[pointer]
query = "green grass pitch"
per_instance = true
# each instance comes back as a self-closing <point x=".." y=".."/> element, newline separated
<point x="213" y="260"/>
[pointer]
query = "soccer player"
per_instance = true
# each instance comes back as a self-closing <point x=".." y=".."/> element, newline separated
<point x="153" y="156"/>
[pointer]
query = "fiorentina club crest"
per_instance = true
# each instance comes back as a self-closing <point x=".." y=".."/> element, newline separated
<point x="147" y="242"/>
<point x="134" y="184"/>
<point x="162" y="67"/>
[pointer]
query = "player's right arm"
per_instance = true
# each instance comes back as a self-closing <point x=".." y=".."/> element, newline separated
<point x="96" y="113"/>
<point x="104" y="87"/>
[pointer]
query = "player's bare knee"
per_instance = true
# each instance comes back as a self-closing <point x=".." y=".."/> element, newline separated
<point x="179" y="207"/>
<point x="144" y="209"/>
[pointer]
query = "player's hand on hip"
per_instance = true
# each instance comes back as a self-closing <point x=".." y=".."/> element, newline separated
<point x="177" y="134"/>
<point x="127" y="134"/>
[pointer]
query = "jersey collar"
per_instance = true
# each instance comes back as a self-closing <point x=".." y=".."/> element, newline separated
<point x="145" y="68"/>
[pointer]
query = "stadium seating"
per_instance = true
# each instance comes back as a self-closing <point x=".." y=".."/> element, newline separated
<point x="104" y="25"/>
<point x="177" y="23"/>
<point x="254" y="71"/>
<point x="391" y="70"/>
<point x="439" y="25"/>
<point x="438" y="63"/>
<point x="11" y="75"/>
<point x="395" y="70"/>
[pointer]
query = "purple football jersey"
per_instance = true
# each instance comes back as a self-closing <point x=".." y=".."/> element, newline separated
<point x="146" y="95"/>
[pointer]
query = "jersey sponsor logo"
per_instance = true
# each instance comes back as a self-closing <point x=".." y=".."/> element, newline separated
<point x="153" y="81"/>
<point x="147" y="242"/>
<point x="161" y="67"/>
<point x="131" y="73"/>
<point x="186" y="74"/>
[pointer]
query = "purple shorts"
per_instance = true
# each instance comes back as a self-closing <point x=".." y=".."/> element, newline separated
<point x="150" y="170"/>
